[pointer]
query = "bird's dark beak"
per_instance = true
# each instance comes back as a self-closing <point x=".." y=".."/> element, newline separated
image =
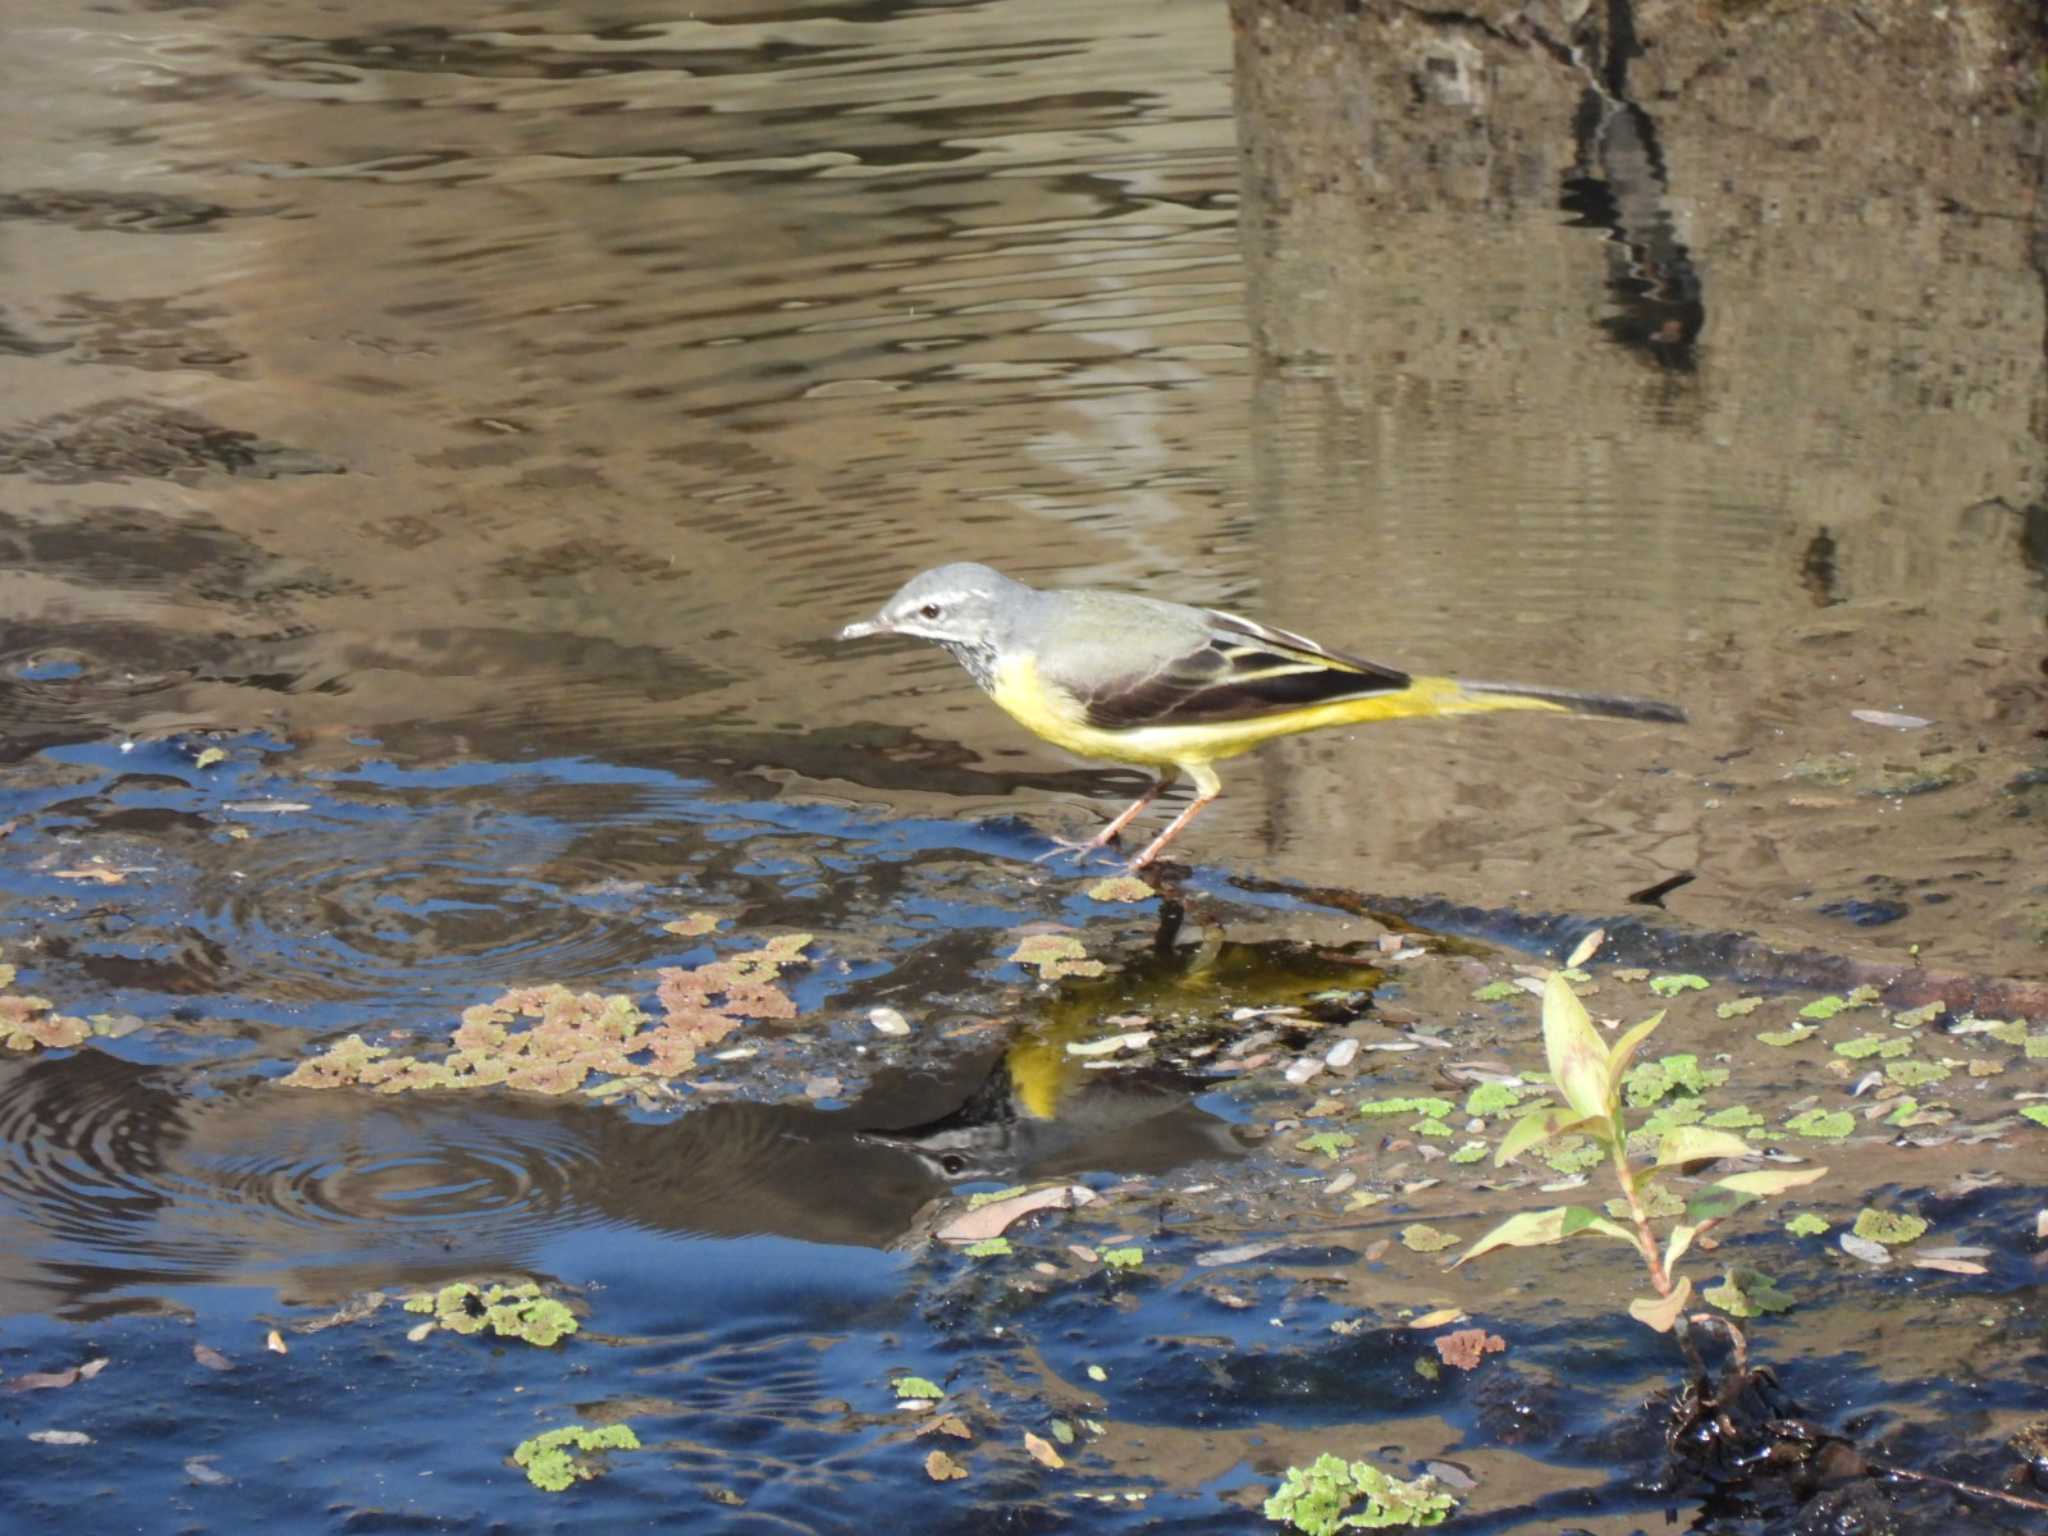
<point x="863" y="629"/>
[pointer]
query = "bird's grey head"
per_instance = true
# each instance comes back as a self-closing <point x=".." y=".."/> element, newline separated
<point x="963" y="607"/>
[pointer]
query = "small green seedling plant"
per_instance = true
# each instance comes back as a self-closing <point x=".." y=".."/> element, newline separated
<point x="1590" y="1075"/>
<point x="1322" y="1499"/>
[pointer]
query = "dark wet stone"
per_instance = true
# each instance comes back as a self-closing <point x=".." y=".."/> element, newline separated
<point x="1866" y="914"/>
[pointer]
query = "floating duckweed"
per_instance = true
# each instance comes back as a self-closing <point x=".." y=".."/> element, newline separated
<point x="1123" y="1258"/>
<point x="1055" y="955"/>
<point x="576" y="1034"/>
<point x="1827" y="1007"/>
<point x="1470" y="1152"/>
<point x="988" y="1248"/>
<point x="1659" y="1203"/>
<point x="1823" y="1124"/>
<point x="1682" y="1073"/>
<point x="1873" y="1045"/>
<point x="1915" y="1074"/>
<point x="1913" y="1018"/>
<point x="916" y="1389"/>
<point x="1791" y="1035"/>
<point x="1319" y="1498"/>
<point x="1747" y="1293"/>
<point x="1806" y="1224"/>
<point x="513" y="1311"/>
<point x="1738" y="1007"/>
<point x="1574" y="1154"/>
<point x="990" y="1196"/>
<point x="1671" y="986"/>
<point x="28" y="1022"/>
<point x="1329" y="1143"/>
<point x="1496" y="992"/>
<point x="1492" y="1099"/>
<point x="1891" y="1228"/>
<point x="1423" y="1238"/>
<point x="548" y="1460"/>
<point x="1430" y="1109"/>
<point x="1432" y="1128"/>
<point x="1736" y="1117"/>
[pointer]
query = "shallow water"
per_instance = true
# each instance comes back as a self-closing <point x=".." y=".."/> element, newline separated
<point x="476" y="432"/>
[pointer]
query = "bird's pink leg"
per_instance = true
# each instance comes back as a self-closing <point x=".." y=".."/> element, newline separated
<point x="1108" y="834"/>
<point x="1209" y="788"/>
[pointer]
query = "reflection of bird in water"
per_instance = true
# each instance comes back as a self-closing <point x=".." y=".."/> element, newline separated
<point x="1130" y="1120"/>
<point x="1042" y="1110"/>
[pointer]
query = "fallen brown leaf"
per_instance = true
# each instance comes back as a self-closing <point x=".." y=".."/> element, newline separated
<point x="38" y="1381"/>
<point x="993" y="1219"/>
<point x="947" y="1424"/>
<point x="942" y="1468"/>
<point x="1042" y="1451"/>
<point x="1467" y="1347"/>
<point x="274" y="1342"/>
<point x="211" y="1358"/>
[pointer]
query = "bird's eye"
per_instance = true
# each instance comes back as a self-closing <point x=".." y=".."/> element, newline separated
<point x="929" y="611"/>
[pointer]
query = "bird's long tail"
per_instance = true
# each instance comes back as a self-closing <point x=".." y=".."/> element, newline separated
<point x="1484" y="696"/>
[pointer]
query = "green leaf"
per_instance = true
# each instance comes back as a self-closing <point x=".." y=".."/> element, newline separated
<point x="2038" y="1113"/>
<point x="1532" y="1131"/>
<point x="1577" y="1056"/>
<point x="1694" y="1143"/>
<point x="1525" y="1229"/>
<point x="1586" y="949"/>
<point x="1765" y="1182"/>
<point x="1660" y="1312"/>
<point x="1625" y="1048"/>
<point x="1671" y="986"/>
<point x="1681" y="1239"/>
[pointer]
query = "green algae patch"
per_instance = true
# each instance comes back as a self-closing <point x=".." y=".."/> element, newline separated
<point x="1824" y="1008"/>
<point x="1788" y="1036"/>
<point x="1492" y="1099"/>
<point x="1892" y="1228"/>
<point x="555" y="1461"/>
<point x="1680" y="1074"/>
<point x="1823" y="1124"/>
<point x="510" y="1311"/>
<point x="1329" y="1143"/>
<point x="1671" y="986"/>
<point x="1873" y="1045"/>
<point x="1915" y="1074"/>
<point x="552" y="1040"/>
<point x="1747" y="1293"/>
<point x="1429" y="1109"/>
<point x="1054" y="956"/>
<point x="1320" y="1499"/>
<point x="27" y="1023"/>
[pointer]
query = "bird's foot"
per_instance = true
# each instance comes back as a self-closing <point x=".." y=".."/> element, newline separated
<point x="1082" y="848"/>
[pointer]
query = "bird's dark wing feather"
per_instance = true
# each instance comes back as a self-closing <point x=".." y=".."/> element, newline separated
<point x="1243" y="670"/>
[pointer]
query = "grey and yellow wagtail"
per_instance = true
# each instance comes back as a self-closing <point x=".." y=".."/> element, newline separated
<point x="1175" y="689"/>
